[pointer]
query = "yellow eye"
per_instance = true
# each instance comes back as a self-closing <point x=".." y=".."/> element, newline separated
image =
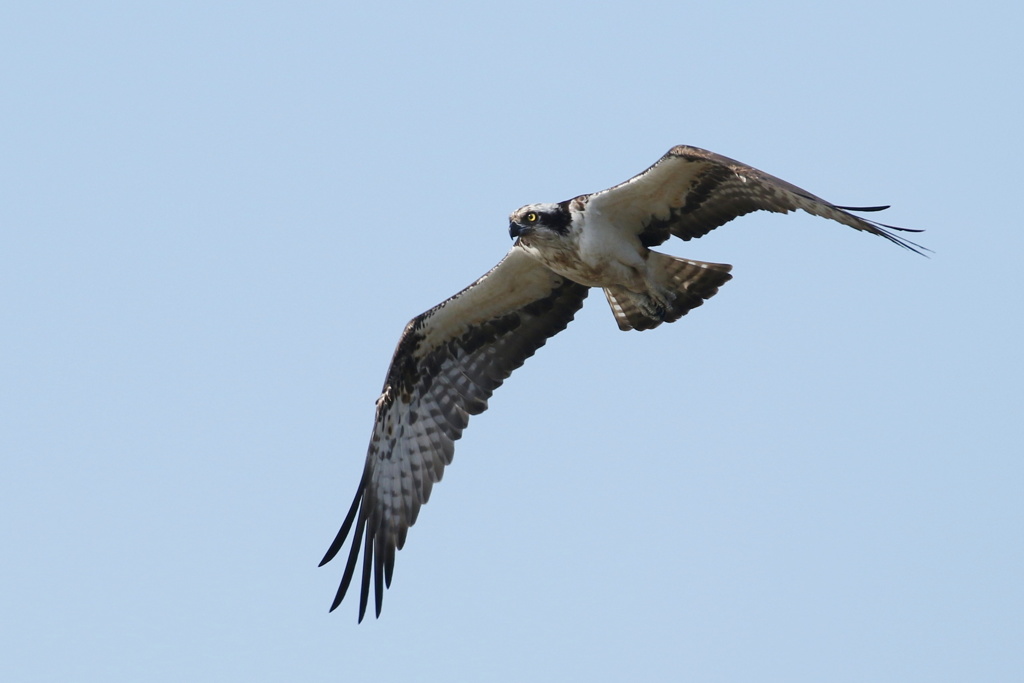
<point x="531" y="217"/>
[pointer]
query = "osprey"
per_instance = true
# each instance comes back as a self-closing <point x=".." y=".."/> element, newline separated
<point x="450" y="359"/>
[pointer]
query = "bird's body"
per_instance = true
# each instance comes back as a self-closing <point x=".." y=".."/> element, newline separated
<point x="450" y="359"/>
<point x="579" y="242"/>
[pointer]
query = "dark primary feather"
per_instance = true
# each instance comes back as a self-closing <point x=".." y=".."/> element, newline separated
<point x="448" y="362"/>
<point x="690" y="191"/>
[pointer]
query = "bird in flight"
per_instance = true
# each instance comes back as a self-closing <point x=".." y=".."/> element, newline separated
<point x="450" y="359"/>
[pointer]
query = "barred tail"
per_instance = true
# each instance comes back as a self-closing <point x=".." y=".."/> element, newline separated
<point x="684" y="285"/>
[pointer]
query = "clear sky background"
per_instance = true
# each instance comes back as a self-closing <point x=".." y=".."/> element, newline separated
<point x="216" y="219"/>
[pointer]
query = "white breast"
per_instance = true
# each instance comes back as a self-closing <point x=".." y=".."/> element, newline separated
<point x="607" y="254"/>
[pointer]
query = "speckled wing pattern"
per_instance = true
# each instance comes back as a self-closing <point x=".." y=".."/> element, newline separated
<point x="690" y="191"/>
<point x="448" y="362"/>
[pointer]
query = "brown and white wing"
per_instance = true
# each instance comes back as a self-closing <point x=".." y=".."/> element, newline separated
<point x="448" y="362"/>
<point x="690" y="192"/>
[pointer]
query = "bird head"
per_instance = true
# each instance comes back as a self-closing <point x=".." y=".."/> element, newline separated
<point x="543" y="220"/>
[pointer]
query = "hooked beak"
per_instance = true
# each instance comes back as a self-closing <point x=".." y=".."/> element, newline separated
<point x="515" y="230"/>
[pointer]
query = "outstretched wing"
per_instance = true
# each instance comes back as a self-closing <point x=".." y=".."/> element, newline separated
<point x="690" y="191"/>
<point x="448" y="362"/>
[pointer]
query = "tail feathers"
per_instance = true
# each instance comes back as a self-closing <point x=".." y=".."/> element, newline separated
<point x="683" y="285"/>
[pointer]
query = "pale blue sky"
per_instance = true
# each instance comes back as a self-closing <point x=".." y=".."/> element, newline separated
<point x="217" y="217"/>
